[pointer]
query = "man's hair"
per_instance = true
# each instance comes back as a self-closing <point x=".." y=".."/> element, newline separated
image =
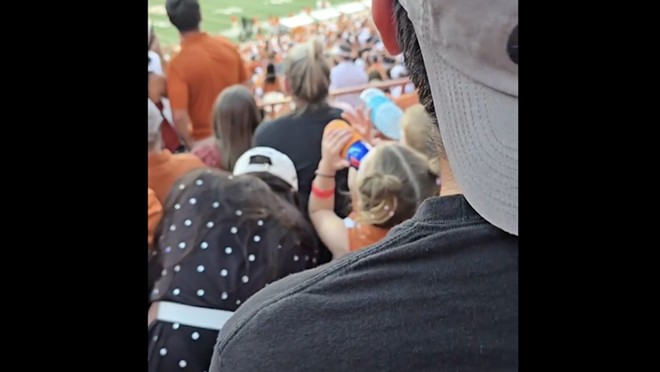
<point x="413" y="58"/>
<point x="415" y="64"/>
<point x="184" y="14"/>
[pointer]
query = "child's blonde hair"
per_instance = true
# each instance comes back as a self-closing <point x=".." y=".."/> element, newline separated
<point x="394" y="183"/>
<point x="422" y="134"/>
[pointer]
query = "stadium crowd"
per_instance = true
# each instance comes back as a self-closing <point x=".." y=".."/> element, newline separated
<point x="314" y="152"/>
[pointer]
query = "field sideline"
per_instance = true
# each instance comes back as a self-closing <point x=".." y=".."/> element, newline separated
<point x="216" y="14"/>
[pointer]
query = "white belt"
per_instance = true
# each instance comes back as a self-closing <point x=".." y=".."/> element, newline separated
<point x="192" y="316"/>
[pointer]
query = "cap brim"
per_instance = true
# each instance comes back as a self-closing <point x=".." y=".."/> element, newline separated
<point x="479" y="129"/>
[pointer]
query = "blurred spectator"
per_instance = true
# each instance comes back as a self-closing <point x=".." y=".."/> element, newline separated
<point x="223" y="238"/>
<point x="157" y="91"/>
<point x="205" y="66"/>
<point x="153" y="45"/>
<point x="298" y="134"/>
<point x="235" y="118"/>
<point x="164" y="168"/>
<point x="347" y="74"/>
<point x="271" y="82"/>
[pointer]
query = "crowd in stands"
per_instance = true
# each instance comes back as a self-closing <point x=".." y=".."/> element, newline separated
<point x="266" y="159"/>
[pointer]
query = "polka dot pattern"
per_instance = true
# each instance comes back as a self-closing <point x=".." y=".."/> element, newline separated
<point x="217" y="252"/>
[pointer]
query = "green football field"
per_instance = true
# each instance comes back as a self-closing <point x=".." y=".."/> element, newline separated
<point x="216" y="14"/>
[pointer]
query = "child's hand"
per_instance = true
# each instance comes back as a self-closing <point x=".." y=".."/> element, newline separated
<point x="333" y="142"/>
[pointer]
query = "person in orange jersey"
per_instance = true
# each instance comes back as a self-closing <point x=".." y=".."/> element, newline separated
<point x="205" y="66"/>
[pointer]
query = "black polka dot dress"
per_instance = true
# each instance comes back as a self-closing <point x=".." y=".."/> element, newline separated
<point x="214" y="262"/>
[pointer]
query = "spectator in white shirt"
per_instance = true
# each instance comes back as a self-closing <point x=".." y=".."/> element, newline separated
<point x="346" y="75"/>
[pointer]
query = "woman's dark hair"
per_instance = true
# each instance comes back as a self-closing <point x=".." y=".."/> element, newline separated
<point x="235" y="118"/>
<point x="271" y="77"/>
<point x="279" y="187"/>
<point x="222" y="200"/>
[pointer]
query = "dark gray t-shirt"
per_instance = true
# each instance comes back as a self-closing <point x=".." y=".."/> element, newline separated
<point x="439" y="293"/>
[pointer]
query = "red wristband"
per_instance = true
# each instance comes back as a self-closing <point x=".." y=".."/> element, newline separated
<point x="322" y="194"/>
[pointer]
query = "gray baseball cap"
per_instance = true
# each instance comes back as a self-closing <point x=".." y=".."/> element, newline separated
<point x="473" y="74"/>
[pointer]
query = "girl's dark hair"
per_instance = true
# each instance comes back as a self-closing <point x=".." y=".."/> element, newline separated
<point x="218" y="198"/>
<point x="279" y="187"/>
<point x="235" y="118"/>
<point x="271" y="77"/>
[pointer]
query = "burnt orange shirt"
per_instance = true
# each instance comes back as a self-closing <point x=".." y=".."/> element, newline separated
<point x="164" y="169"/>
<point x="361" y="236"/>
<point x="154" y="212"/>
<point x="364" y="235"/>
<point x="205" y="66"/>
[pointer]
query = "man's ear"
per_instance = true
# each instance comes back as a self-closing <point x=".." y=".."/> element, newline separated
<point x="383" y="14"/>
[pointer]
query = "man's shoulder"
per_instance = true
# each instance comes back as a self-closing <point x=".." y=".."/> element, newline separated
<point x="394" y="295"/>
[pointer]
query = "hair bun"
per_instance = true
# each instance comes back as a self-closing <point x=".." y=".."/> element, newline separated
<point x="379" y="186"/>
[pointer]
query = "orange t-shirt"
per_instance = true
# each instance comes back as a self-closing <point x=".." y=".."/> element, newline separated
<point x="154" y="212"/>
<point x="205" y="67"/>
<point x="164" y="169"/>
<point x="360" y="236"/>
